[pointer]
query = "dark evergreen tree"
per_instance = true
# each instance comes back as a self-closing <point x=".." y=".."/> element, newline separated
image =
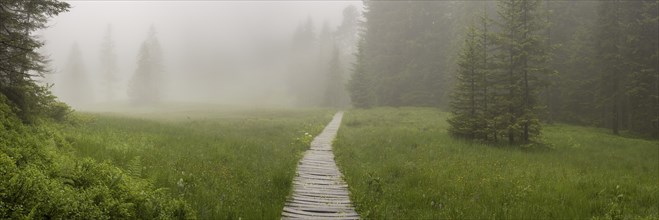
<point x="520" y="65"/>
<point x="489" y="112"/>
<point x="642" y="67"/>
<point x="610" y="37"/>
<point x="20" y="63"/>
<point x="570" y="96"/>
<point x="468" y="98"/>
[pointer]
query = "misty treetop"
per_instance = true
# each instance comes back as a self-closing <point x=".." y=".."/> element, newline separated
<point x="319" y="67"/>
<point x="145" y="87"/>
<point x="74" y="86"/>
<point x="109" y="67"/>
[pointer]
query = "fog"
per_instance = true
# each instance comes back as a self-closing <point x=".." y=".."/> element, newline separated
<point x="220" y="52"/>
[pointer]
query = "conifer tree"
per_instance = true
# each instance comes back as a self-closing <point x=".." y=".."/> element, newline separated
<point x="335" y="89"/>
<point x="406" y="51"/>
<point x="304" y="72"/>
<point x="467" y="97"/>
<point x="74" y="83"/>
<point x="521" y="63"/>
<point x="108" y="60"/>
<point x="610" y="40"/>
<point x="489" y="132"/>
<point x="641" y="62"/>
<point x="346" y="37"/>
<point x="20" y="62"/>
<point x="626" y="43"/>
<point x="145" y="87"/>
<point x="361" y="83"/>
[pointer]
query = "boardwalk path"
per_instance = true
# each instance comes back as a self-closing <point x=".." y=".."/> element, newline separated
<point x="319" y="190"/>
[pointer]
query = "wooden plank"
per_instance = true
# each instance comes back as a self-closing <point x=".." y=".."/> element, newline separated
<point x="318" y="208"/>
<point x="327" y="199"/>
<point x="320" y="192"/>
<point x="314" y="188"/>
<point x="314" y="169"/>
<point x="288" y="215"/>
<point x="316" y="177"/>
<point x="323" y="196"/>
<point x="320" y="182"/>
<point x="301" y="202"/>
<point x="318" y="214"/>
<point x="312" y="204"/>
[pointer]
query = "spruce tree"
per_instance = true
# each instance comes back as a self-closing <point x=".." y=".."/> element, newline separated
<point x="406" y="51"/>
<point x="467" y="97"/>
<point x="489" y="132"/>
<point x="640" y="53"/>
<point x="108" y="61"/>
<point x="521" y="64"/>
<point x="74" y="85"/>
<point x="20" y="62"/>
<point x="609" y="49"/>
<point x="361" y="83"/>
<point x="145" y="87"/>
<point x="304" y="70"/>
<point x="346" y="37"/>
<point x="335" y="89"/>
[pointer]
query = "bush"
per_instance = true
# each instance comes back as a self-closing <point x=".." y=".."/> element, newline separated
<point x="40" y="179"/>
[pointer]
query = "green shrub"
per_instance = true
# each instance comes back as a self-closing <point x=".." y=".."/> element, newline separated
<point x="40" y="178"/>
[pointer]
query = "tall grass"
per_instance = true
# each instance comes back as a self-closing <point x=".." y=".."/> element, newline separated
<point x="226" y="164"/>
<point x="401" y="163"/>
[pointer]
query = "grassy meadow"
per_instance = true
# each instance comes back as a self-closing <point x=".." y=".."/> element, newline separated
<point x="400" y="163"/>
<point x="227" y="164"/>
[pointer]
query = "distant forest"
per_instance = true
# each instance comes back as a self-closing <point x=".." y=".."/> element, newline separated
<point x="502" y="67"/>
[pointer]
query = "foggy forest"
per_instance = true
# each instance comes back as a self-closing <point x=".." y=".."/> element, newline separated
<point x="373" y="109"/>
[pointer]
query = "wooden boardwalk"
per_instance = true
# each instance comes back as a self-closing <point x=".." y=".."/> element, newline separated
<point x="319" y="191"/>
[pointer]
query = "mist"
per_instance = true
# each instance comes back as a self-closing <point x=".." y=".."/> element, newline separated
<point x="219" y="52"/>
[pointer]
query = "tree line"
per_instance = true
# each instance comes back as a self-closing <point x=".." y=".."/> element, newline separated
<point x="520" y="63"/>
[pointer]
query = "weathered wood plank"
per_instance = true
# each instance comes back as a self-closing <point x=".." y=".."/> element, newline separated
<point x="318" y="214"/>
<point x="322" y="199"/>
<point x="311" y="205"/>
<point x="332" y="204"/>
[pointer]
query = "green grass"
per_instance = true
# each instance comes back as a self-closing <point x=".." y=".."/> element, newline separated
<point x="227" y="164"/>
<point x="401" y="163"/>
